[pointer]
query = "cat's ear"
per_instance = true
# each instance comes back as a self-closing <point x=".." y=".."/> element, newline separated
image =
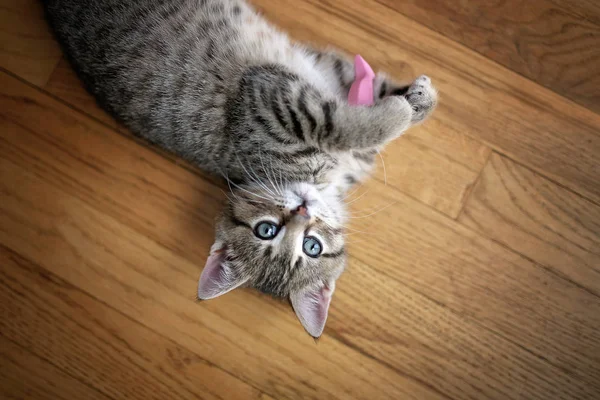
<point x="311" y="307"/>
<point x="217" y="278"/>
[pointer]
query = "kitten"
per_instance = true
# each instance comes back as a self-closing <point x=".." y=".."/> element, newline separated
<point x="213" y="82"/>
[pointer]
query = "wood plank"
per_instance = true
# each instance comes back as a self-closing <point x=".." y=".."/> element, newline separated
<point x="93" y="157"/>
<point x="27" y="47"/>
<point x="24" y="375"/>
<point x="404" y="325"/>
<point x="99" y="346"/>
<point x="539" y="219"/>
<point x="479" y="98"/>
<point x="554" y="43"/>
<point x="434" y="165"/>
<point x="250" y="336"/>
<point x="142" y="253"/>
<point x="429" y="314"/>
<point x="551" y="317"/>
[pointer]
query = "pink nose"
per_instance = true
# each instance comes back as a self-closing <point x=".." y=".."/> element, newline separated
<point x="301" y="210"/>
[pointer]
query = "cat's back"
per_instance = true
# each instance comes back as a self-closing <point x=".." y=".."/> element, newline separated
<point x="164" y="68"/>
<point x="168" y="68"/>
<point x="118" y="44"/>
<point x="145" y="58"/>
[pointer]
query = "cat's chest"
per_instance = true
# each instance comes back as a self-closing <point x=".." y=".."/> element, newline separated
<point x="344" y="169"/>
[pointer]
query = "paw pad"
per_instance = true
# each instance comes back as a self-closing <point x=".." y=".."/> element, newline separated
<point x="422" y="97"/>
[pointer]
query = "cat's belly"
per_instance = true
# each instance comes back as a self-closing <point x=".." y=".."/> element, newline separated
<point x="350" y="168"/>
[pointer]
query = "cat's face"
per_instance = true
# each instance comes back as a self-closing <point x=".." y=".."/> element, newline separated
<point x="284" y="241"/>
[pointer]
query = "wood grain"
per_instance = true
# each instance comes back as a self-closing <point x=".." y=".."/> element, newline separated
<point x="97" y="345"/>
<point x="24" y="375"/>
<point x="435" y="341"/>
<point x="585" y="9"/>
<point x="434" y="165"/>
<point x="477" y="278"/>
<point x="27" y="47"/>
<point x="402" y="325"/>
<point x="554" y="43"/>
<point x="478" y="98"/>
<point x="539" y="219"/>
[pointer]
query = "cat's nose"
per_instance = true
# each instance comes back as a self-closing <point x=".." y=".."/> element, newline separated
<point x="301" y="210"/>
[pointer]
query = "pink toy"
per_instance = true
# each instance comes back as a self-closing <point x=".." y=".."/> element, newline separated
<point x="361" y="91"/>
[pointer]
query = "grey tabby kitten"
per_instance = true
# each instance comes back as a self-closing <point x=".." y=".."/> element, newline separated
<point x="213" y="82"/>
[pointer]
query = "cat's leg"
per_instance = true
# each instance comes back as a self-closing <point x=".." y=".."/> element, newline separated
<point x="341" y="68"/>
<point x="287" y="108"/>
<point x="357" y="128"/>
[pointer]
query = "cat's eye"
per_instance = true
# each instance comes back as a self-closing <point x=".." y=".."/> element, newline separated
<point x="312" y="247"/>
<point x="266" y="230"/>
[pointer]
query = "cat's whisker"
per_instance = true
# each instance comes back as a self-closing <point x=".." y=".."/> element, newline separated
<point x="265" y="171"/>
<point x="358" y="198"/>
<point x="245" y="197"/>
<point x="238" y="197"/>
<point x="352" y="193"/>
<point x="254" y="179"/>
<point x="330" y="220"/>
<point x="226" y="195"/>
<point x="226" y="177"/>
<point x="251" y="193"/>
<point x="367" y="209"/>
<point x="254" y="201"/>
<point x="356" y="242"/>
<point x="275" y="187"/>
<point x="275" y="190"/>
<point x="374" y="212"/>
<point x="273" y="181"/>
<point x="356" y="233"/>
<point x="282" y="181"/>
<point x="384" y="170"/>
<point x="348" y="228"/>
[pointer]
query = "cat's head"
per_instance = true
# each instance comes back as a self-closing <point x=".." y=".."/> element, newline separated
<point x="284" y="241"/>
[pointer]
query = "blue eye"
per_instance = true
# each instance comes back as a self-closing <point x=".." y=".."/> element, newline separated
<point x="312" y="247"/>
<point x="266" y="230"/>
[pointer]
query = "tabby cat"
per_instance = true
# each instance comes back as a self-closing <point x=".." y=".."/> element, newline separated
<point x="212" y="81"/>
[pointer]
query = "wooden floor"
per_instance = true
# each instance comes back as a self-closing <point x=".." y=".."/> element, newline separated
<point x="481" y="280"/>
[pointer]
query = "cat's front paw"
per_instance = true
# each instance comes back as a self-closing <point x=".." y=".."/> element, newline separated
<point x="422" y="97"/>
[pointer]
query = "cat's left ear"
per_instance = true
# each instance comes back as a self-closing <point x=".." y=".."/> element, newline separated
<point x="311" y="307"/>
<point x="217" y="277"/>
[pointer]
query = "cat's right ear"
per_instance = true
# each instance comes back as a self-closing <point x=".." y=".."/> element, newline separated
<point x="312" y="306"/>
<point x="217" y="277"/>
